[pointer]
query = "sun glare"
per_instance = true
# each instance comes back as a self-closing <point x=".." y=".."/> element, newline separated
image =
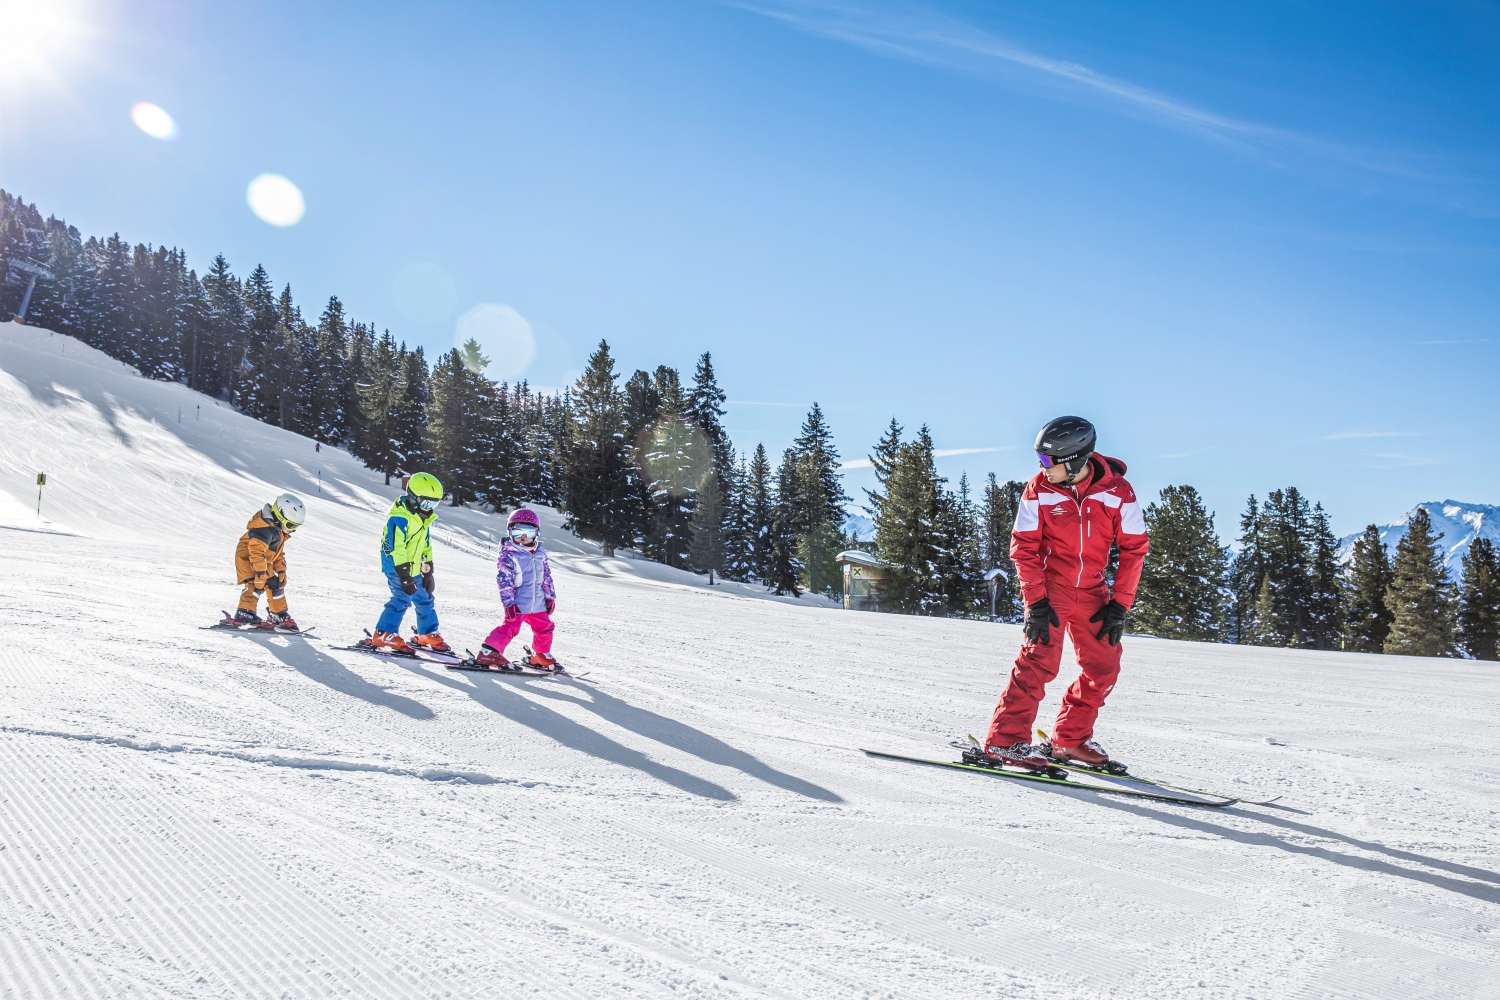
<point x="276" y="200"/>
<point x="35" y="33"/>
<point x="153" y="121"/>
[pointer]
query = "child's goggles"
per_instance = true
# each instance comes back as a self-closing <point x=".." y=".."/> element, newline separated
<point x="523" y="532"/>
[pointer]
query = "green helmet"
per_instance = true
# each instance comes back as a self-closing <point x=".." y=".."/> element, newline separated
<point x="423" y="491"/>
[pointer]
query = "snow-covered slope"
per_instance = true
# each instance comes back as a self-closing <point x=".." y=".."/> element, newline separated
<point x="1459" y="523"/>
<point x="189" y="813"/>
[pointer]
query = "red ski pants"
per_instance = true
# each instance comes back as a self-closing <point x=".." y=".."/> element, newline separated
<point x="541" y="632"/>
<point x="1037" y="665"/>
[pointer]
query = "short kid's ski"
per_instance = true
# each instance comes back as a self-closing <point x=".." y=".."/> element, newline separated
<point x="228" y="624"/>
<point x="1215" y="802"/>
<point x="411" y="653"/>
<point x="521" y="669"/>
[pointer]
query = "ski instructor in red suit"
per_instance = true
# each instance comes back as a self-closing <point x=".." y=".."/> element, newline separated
<point x="1071" y="513"/>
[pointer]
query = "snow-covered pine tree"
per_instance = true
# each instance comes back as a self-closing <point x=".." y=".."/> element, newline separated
<point x="1420" y="597"/>
<point x="704" y="406"/>
<point x="960" y="572"/>
<point x="454" y="419"/>
<point x="1285" y="536"/>
<point x="328" y="376"/>
<point x="784" y="566"/>
<point x="760" y="506"/>
<point x="1367" y="619"/>
<point x="380" y="389"/>
<point x="229" y="331"/>
<point x="739" y="533"/>
<point x="1479" y="601"/>
<point x="409" y="419"/>
<point x="1182" y="589"/>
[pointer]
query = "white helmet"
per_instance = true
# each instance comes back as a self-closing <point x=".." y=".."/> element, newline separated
<point x="289" y="511"/>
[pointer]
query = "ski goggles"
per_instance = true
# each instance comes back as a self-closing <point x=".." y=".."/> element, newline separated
<point x="523" y="532"/>
<point x="1070" y="462"/>
<point x="428" y="504"/>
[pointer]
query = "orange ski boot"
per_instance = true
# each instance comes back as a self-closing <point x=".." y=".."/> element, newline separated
<point x="432" y="642"/>
<point x="543" y="661"/>
<point x="391" y="641"/>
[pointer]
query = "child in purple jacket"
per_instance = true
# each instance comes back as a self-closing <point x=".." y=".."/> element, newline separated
<point x="526" y="591"/>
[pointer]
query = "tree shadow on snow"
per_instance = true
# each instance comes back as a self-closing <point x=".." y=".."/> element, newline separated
<point x="685" y="738"/>
<point x="315" y="665"/>
<point x="1475" y="890"/>
<point x="495" y="694"/>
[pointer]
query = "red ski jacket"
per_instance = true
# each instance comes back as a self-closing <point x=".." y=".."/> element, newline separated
<point x="1062" y="539"/>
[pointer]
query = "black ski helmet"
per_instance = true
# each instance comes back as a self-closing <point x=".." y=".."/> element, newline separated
<point x="1068" y="441"/>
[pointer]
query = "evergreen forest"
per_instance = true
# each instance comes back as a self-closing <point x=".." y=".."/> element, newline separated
<point x="642" y="462"/>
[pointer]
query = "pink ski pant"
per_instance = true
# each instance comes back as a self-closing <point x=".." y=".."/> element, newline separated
<point x="1038" y="664"/>
<point x="541" y="632"/>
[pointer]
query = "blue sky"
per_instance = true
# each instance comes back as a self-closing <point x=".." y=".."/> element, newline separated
<point x="1256" y="244"/>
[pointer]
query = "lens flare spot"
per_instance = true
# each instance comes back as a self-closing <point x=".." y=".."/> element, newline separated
<point x="276" y="200"/>
<point x="504" y="336"/>
<point x="153" y="120"/>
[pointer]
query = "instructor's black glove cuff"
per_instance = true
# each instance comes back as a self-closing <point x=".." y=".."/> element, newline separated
<point x="1039" y="616"/>
<point x="1113" y="617"/>
<point x="429" y="582"/>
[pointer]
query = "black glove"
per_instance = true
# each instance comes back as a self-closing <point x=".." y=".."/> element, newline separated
<point x="1038" y="617"/>
<point x="429" y="582"/>
<point x="275" y="584"/>
<point x="1113" y="617"/>
<point x="408" y="585"/>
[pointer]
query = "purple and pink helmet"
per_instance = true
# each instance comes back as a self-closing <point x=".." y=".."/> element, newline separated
<point x="524" y="516"/>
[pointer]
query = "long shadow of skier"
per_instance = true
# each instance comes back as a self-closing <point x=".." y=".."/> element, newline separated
<point x="495" y="694"/>
<point x="683" y="737"/>
<point x="308" y="661"/>
<point x="1475" y="890"/>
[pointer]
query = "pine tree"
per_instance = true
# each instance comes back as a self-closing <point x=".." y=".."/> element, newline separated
<point x="409" y="420"/>
<point x="1420" y="596"/>
<point x="998" y="515"/>
<point x="599" y="490"/>
<point x="1284" y="534"/>
<point x="705" y="408"/>
<point x="253" y="392"/>
<point x="380" y="391"/>
<point x="1479" y="601"/>
<point x="1367" y="619"/>
<point x="822" y="490"/>
<point x="907" y="532"/>
<point x="228" y="324"/>
<point x="1325" y="600"/>
<point x="1181" y="594"/>
<point x="706" y="554"/>
<point x="454" y="416"/>
<point x="761" y="514"/>
<point x="959" y="566"/>
<point x="329" y="376"/>
<point x="883" y="462"/>
<point x="1245" y="577"/>
<point x="739" y="532"/>
<point x="783" y="565"/>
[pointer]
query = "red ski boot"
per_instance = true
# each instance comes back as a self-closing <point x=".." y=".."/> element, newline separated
<point x="283" y="621"/>
<point x="1087" y="754"/>
<point x="1021" y="755"/>
<point x="492" y="659"/>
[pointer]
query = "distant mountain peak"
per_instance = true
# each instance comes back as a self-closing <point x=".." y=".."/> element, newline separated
<point x="1459" y="522"/>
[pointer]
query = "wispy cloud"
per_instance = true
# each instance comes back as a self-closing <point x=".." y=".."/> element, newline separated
<point x="758" y="402"/>
<point x="1363" y="435"/>
<point x="916" y="34"/>
<point x="1443" y="343"/>
<point x="864" y="463"/>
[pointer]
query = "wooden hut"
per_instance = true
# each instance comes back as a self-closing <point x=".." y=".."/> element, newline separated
<point x="863" y="576"/>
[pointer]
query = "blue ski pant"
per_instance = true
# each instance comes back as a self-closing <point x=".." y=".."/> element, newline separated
<point x="395" y="608"/>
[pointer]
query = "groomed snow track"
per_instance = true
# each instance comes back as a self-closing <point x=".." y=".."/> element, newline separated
<point x="187" y="813"/>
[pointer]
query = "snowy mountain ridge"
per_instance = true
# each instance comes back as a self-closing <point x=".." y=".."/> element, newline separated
<point x="1460" y="523"/>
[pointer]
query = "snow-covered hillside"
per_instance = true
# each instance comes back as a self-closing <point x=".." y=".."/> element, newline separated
<point x="189" y="813"/>
<point x="1459" y="524"/>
